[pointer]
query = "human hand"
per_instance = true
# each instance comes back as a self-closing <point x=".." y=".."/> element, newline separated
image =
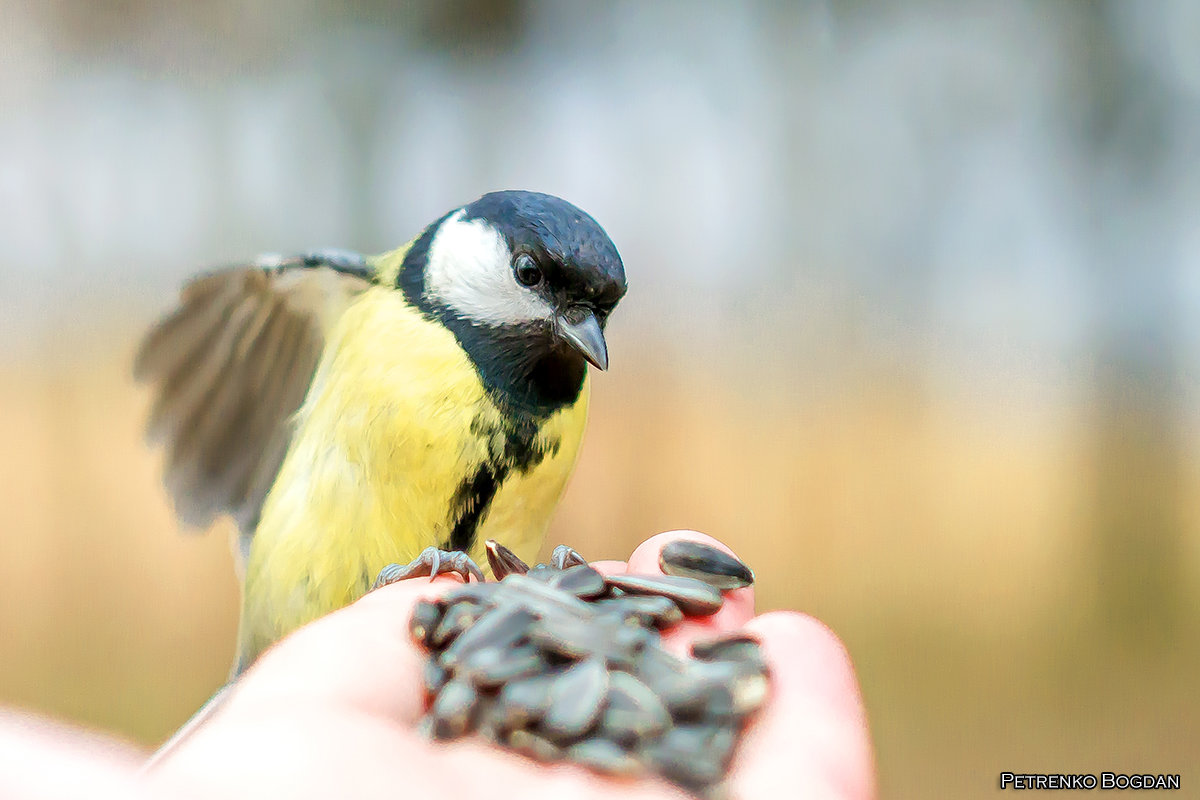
<point x="331" y="712"/>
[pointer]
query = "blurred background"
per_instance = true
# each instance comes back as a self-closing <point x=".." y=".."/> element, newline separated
<point x="914" y="324"/>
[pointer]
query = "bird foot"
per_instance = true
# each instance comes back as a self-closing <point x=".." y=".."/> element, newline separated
<point x="431" y="563"/>
<point x="564" y="557"/>
<point x="505" y="562"/>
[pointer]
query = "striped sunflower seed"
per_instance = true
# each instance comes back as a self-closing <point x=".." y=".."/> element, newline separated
<point x="721" y="690"/>
<point x="689" y="755"/>
<point x="534" y="745"/>
<point x="452" y="709"/>
<point x="632" y="712"/>
<point x="580" y="580"/>
<point x="605" y="756"/>
<point x="563" y="664"/>
<point x="490" y="723"/>
<point x="731" y="647"/>
<point x="694" y="598"/>
<point x="424" y="621"/>
<point x="490" y="667"/>
<point x="503" y="561"/>
<point x="575" y="701"/>
<point x="697" y="702"/>
<point x="525" y="700"/>
<point x="649" y="609"/>
<point x="704" y="562"/>
<point x="563" y="635"/>
<point x="457" y="619"/>
<point x="660" y="669"/>
<point x="433" y="676"/>
<point x="542" y="573"/>
<point x="497" y="629"/>
<point x="750" y="691"/>
<point x="539" y="598"/>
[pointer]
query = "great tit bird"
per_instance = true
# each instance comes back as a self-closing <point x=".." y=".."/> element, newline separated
<point x="350" y="412"/>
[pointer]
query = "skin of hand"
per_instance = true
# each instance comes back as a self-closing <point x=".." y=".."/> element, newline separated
<point x="330" y="712"/>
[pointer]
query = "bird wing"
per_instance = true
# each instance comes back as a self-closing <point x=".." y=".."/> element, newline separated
<point x="230" y="367"/>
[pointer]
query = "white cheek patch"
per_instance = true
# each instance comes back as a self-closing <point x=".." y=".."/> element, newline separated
<point x="470" y="270"/>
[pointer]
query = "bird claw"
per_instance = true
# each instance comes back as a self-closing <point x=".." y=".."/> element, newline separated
<point x="431" y="563"/>
<point x="564" y="557"/>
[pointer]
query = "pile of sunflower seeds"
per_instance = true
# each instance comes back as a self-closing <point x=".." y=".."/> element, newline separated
<point x="561" y="663"/>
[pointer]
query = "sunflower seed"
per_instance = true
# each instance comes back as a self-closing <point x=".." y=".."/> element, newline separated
<point x="563" y="664"/>
<point x="535" y="746"/>
<point x="525" y="700"/>
<point x="703" y="562"/>
<point x="633" y="711"/>
<point x="694" y="598"/>
<point x="581" y="581"/>
<point x="452" y="709"/>
<point x="425" y="618"/>
<point x="565" y="636"/>
<point x="732" y="647"/>
<point x="660" y="670"/>
<point x="687" y="691"/>
<point x="497" y="629"/>
<point x="490" y="667"/>
<point x="541" y="599"/>
<point x="605" y="756"/>
<point x="457" y="619"/>
<point x="749" y="693"/>
<point x="489" y="726"/>
<point x="673" y="687"/>
<point x="647" y="609"/>
<point x="433" y="676"/>
<point x="711" y="746"/>
<point x="720" y="746"/>
<point x="692" y="702"/>
<point x="723" y="690"/>
<point x="685" y="755"/>
<point x="709" y="749"/>
<point x="503" y="561"/>
<point x="575" y="701"/>
<point x="628" y="645"/>
<point x="542" y="573"/>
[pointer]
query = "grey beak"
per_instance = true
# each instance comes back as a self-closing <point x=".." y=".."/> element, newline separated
<point x="585" y="336"/>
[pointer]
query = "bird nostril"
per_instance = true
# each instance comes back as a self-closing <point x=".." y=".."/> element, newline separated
<point x="577" y="313"/>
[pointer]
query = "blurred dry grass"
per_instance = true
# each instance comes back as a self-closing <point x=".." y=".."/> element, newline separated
<point x="945" y="547"/>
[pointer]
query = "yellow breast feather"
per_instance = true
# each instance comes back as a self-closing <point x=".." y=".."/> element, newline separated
<point x="394" y="436"/>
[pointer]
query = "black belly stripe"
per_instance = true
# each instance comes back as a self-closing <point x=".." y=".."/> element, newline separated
<point x="471" y="503"/>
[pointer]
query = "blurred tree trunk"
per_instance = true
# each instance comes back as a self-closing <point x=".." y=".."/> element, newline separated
<point x="1135" y="453"/>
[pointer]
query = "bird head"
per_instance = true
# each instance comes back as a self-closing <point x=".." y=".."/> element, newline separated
<point x="526" y="281"/>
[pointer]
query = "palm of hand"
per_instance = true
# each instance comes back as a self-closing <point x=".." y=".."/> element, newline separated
<point x="332" y="711"/>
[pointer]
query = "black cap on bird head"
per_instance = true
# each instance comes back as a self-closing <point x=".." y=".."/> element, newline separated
<point x="526" y="281"/>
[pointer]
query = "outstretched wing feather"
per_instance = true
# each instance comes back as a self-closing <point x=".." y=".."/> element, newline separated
<point x="230" y="367"/>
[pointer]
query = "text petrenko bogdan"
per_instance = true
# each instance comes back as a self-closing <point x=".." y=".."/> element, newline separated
<point x="1103" y="780"/>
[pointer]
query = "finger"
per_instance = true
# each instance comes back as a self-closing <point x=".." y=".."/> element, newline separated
<point x="42" y="758"/>
<point x="811" y="739"/>
<point x="362" y="656"/>
<point x="609" y="567"/>
<point x="739" y="603"/>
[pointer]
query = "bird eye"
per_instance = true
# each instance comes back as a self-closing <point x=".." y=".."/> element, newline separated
<point x="527" y="270"/>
